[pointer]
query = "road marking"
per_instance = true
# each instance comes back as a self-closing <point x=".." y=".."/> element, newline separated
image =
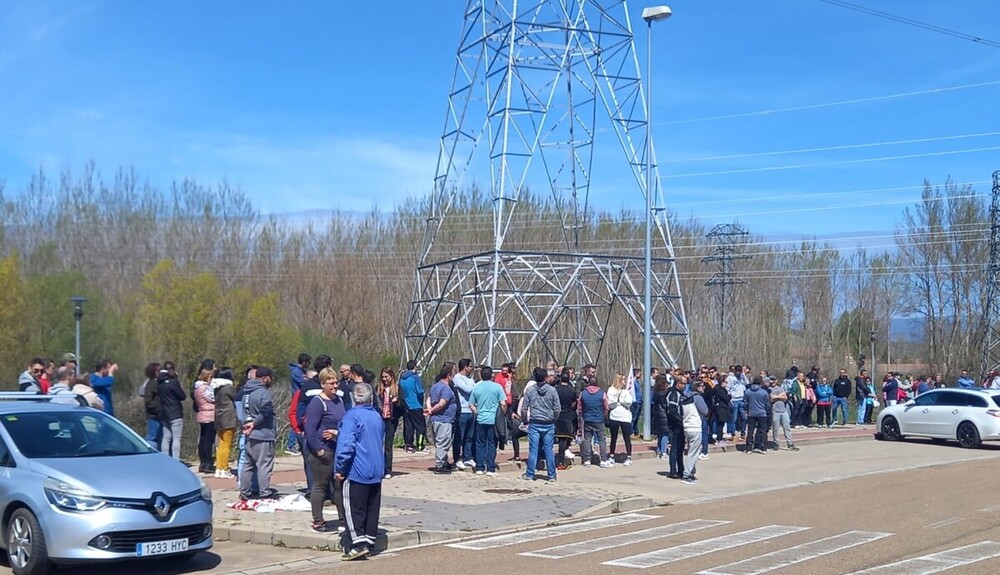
<point x="613" y="541"/>
<point x="993" y="509"/>
<point x="558" y="530"/>
<point x="944" y="523"/>
<point x="689" y="550"/>
<point x="937" y="562"/>
<point x="797" y="554"/>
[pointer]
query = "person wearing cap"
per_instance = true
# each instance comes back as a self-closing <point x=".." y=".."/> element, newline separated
<point x="258" y="427"/>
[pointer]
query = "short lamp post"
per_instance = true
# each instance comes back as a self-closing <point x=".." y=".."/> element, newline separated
<point x="874" y="362"/>
<point x="78" y="315"/>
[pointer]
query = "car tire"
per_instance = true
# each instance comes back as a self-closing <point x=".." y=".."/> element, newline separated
<point x="890" y="429"/>
<point x="26" y="550"/>
<point x="968" y="435"/>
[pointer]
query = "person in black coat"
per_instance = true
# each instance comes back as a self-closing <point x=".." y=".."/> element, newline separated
<point x="722" y="405"/>
<point x="660" y="421"/>
<point x="172" y="397"/>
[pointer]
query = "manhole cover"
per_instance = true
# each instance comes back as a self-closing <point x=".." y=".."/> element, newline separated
<point x="507" y="491"/>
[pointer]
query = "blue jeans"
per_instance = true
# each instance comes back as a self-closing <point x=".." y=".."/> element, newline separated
<point x="486" y="447"/>
<point x="293" y="442"/>
<point x="154" y="432"/>
<point x="738" y="421"/>
<point x="861" y="411"/>
<point x="467" y="430"/>
<point x="541" y="434"/>
<point x="663" y="443"/>
<point x="636" y="410"/>
<point x="840" y="403"/>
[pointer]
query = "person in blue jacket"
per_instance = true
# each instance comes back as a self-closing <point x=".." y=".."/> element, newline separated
<point x="411" y="388"/>
<point x="360" y="465"/>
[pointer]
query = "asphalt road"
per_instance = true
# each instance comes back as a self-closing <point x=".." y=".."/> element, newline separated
<point x="941" y="519"/>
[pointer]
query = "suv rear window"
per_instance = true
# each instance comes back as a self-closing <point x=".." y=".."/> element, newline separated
<point x="996" y="400"/>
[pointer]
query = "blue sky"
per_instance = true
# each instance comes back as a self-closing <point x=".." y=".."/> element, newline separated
<point x="339" y="105"/>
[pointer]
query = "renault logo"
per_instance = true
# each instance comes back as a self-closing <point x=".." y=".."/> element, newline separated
<point x="162" y="506"/>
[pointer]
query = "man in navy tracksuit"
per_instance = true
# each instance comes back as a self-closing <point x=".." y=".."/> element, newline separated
<point x="360" y="465"/>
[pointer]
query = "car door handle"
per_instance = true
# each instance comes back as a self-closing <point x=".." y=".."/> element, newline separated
<point x="954" y="411"/>
<point x="926" y="410"/>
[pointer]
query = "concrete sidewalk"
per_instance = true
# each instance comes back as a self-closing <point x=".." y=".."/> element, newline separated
<point x="420" y="507"/>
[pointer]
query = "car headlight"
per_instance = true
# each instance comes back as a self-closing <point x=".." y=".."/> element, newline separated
<point x="71" y="497"/>
<point x="206" y="491"/>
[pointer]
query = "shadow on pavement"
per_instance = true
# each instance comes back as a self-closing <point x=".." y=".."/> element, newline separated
<point x="205" y="561"/>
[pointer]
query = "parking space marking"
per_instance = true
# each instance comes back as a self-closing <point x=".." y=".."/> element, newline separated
<point x="614" y="541"/>
<point x="796" y="554"/>
<point x="519" y="537"/>
<point x="689" y="550"/>
<point x="937" y="562"/>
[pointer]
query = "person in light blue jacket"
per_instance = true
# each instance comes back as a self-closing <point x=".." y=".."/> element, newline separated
<point x="360" y="465"/>
<point x="411" y="388"/>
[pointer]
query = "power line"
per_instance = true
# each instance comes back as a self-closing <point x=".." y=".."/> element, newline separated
<point x="833" y="163"/>
<point x="915" y="23"/>
<point x="806" y="107"/>
<point x="831" y="148"/>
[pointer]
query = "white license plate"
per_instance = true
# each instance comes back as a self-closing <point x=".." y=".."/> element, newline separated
<point x="161" y="547"/>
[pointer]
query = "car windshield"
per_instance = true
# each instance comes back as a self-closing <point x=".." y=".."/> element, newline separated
<point x="71" y="433"/>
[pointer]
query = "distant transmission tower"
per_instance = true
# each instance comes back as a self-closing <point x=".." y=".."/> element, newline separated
<point x="991" y="315"/>
<point x="725" y="237"/>
<point x="535" y="81"/>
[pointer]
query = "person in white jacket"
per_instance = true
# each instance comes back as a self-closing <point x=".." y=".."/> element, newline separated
<point x="620" y="399"/>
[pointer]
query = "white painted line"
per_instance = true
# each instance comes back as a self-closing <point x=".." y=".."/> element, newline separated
<point x="992" y="509"/>
<point x="937" y="562"/>
<point x="689" y="550"/>
<point x="797" y="554"/>
<point x="945" y="523"/>
<point x="555" y="531"/>
<point x="613" y="541"/>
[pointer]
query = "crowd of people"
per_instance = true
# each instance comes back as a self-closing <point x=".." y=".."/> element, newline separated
<point x="345" y="421"/>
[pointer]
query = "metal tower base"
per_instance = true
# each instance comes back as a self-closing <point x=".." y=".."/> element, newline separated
<point x="544" y="306"/>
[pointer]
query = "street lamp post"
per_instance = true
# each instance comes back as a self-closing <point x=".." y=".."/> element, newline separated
<point x="77" y="315"/>
<point x="650" y="15"/>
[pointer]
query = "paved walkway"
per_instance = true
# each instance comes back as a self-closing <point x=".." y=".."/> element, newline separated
<point x="420" y="507"/>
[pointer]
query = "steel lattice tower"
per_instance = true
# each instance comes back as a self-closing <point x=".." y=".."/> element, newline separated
<point x="991" y="315"/>
<point x="535" y="82"/>
<point x="724" y="236"/>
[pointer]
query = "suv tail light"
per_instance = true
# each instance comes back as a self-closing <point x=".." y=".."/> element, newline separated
<point x="993" y="412"/>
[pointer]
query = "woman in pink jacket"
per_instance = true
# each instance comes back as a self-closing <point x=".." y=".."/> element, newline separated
<point x="204" y="404"/>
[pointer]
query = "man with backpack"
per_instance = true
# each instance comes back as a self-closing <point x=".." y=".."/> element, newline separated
<point x="592" y="409"/>
<point x="675" y="426"/>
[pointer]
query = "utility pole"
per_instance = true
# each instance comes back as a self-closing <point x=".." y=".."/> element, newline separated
<point x="726" y="237"/>
<point x="991" y="315"/>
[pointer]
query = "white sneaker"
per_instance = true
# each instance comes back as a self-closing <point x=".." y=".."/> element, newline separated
<point x="387" y="476"/>
<point x="460" y="465"/>
<point x="714" y="436"/>
<point x="470" y="463"/>
<point x="491" y="473"/>
<point x="479" y="472"/>
<point x="628" y="461"/>
<point x="224" y="474"/>
<point x="586" y="463"/>
<point x="703" y="456"/>
<point x="607" y="463"/>
<point x="569" y="454"/>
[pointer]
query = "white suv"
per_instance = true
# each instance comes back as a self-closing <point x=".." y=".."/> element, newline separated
<point x="969" y="415"/>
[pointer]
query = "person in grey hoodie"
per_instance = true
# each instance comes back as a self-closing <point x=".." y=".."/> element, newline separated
<point x="258" y="427"/>
<point x="695" y="412"/>
<point x="756" y="404"/>
<point x="540" y="407"/>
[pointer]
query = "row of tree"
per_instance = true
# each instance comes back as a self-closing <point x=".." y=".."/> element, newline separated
<point x="194" y="271"/>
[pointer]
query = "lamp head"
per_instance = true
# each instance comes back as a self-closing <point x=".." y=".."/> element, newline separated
<point x="656" y="13"/>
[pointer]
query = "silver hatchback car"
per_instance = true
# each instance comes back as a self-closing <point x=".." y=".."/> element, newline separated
<point x="77" y="485"/>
